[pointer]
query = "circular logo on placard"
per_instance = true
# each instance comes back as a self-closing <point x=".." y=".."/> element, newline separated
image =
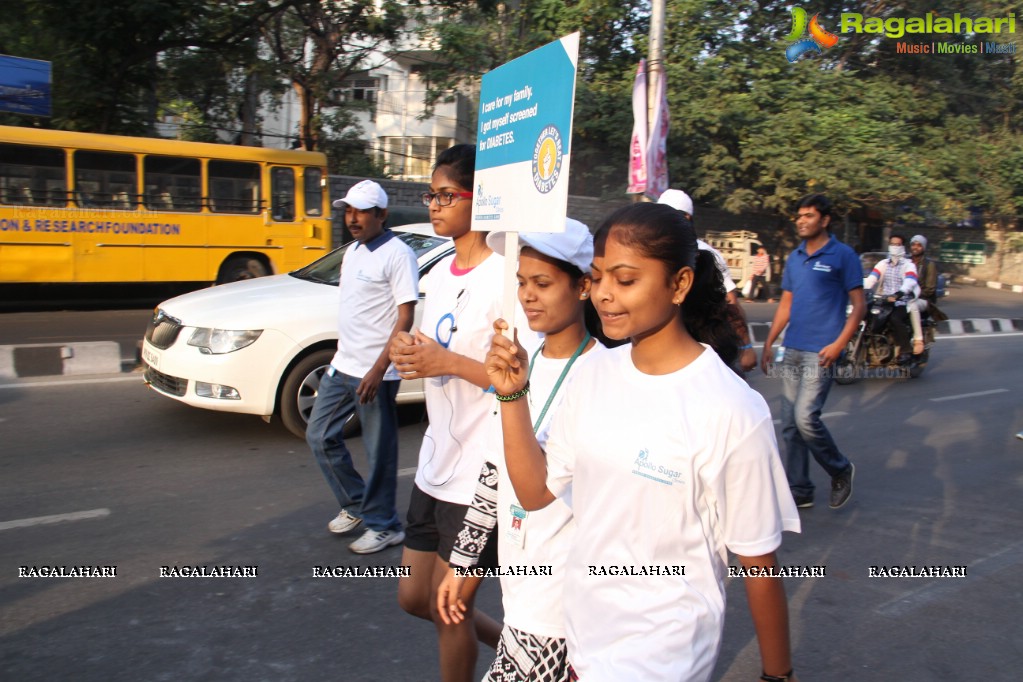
<point x="547" y="159"/>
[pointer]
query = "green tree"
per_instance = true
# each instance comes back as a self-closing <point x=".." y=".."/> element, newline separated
<point x="317" y="44"/>
<point x="106" y="55"/>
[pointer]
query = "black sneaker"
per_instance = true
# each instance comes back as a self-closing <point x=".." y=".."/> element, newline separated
<point x="803" y="501"/>
<point x="841" y="488"/>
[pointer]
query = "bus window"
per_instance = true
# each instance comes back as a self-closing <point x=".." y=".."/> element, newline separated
<point x="172" y="183"/>
<point x="312" y="185"/>
<point x="282" y="193"/>
<point x="234" y="187"/>
<point x="32" y="175"/>
<point x="105" y="180"/>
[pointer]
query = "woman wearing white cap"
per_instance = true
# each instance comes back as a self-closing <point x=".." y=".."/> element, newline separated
<point x="554" y="290"/>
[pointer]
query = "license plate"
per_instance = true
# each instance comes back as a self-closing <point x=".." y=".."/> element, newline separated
<point x="152" y="359"/>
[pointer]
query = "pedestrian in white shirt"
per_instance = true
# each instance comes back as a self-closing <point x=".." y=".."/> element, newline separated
<point x="671" y="461"/>
<point x="554" y="290"/>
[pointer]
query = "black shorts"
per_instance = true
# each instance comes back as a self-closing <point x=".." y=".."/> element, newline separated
<point x="432" y="525"/>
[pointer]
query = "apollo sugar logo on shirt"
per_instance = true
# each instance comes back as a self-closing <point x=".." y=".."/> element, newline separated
<point x="821" y="267"/>
<point x="647" y="467"/>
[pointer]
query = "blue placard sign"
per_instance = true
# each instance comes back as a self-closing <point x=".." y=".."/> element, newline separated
<point x="24" y="86"/>
<point x="523" y="141"/>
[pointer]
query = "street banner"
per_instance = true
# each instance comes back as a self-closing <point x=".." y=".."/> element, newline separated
<point x="657" y="151"/>
<point x="638" y="143"/>
<point x="523" y="149"/>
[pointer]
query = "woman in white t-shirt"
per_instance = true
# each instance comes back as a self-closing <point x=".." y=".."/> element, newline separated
<point x="671" y="460"/>
<point x="463" y="298"/>
<point x="554" y="289"/>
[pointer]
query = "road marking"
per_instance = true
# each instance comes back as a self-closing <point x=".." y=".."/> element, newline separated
<point x="407" y="471"/>
<point x="826" y="415"/>
<point x="137" y="378"/>
<point x="979" y="335"/>
<point x="969" y="395"/>
<point x="932" y="591"/>
<point x="55" y="518"/>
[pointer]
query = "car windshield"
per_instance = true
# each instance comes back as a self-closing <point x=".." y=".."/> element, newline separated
<point x="327" y="270"/>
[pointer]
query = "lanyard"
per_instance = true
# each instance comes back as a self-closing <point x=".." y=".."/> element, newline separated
<point x="564" y="373"/>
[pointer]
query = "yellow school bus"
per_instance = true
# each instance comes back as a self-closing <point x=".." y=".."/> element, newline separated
<point x="82" y="207"/>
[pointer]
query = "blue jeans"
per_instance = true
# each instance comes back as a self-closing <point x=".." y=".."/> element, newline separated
<point x="805" y="386"/>
<point x="372" y="499"/>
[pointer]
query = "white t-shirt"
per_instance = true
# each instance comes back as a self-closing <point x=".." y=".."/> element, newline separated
<point x="533" y="604"/>
<point x="459" y="313"/>
<point x="667" y="471"/>
<point x="375" y="279"/>
<point x="719" y="260"/>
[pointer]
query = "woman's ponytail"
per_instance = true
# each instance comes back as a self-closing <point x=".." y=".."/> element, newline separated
<point x="706" y="312"/>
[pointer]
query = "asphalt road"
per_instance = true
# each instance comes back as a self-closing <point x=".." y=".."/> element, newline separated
<point x="161" y="484"/>
<point x="127" y="326"/>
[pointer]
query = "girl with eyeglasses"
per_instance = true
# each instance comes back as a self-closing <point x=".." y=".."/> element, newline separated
<point x="463" y="299"/>
<point x="670" y="459"/>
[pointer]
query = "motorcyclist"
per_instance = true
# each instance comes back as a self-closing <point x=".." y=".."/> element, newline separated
<point x="898" y="285"/>
<point x="927" y="276"/>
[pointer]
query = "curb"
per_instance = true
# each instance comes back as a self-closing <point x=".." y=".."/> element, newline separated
<point x="40" y="359"/>
<point x="1014" y="288"/>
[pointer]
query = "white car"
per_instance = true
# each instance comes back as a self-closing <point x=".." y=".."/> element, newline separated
<point x="261" y="345"/>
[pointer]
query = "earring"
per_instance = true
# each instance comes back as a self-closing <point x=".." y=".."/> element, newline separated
<point x="584" y="296"/>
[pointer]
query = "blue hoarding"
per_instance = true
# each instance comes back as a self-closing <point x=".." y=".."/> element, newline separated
<point x="25" y="86"/>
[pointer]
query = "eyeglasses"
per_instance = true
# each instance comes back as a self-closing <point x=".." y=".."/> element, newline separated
<point x="444" y="198"/>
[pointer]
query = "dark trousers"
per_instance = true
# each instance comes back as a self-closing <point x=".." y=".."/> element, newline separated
<point x="899" y="323"/>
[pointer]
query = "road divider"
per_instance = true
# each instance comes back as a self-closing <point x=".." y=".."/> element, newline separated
<point x="78" y="358"/>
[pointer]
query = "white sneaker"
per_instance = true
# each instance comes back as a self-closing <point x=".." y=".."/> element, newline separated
<point x="343" y="523"/>
<point x="376" y="540"/>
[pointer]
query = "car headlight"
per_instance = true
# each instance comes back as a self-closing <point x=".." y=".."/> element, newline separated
<point x="219" y="341"/>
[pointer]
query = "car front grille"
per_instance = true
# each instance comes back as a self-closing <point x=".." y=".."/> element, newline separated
<point x="163" y="330"/>
<point x="165" y="383"/>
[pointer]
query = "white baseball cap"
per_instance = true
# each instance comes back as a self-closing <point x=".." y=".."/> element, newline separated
<point x="363" y="195"/>
<point x="678" y="200"/>
<point x="574" y="245"/>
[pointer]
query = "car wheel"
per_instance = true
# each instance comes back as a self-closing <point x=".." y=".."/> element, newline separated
<point x="299" y="394"/>
<point x="239" y="268"/>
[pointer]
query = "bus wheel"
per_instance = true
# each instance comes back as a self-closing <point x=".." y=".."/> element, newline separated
<point x="299" y="393"/>
<point x="240" y="267"/>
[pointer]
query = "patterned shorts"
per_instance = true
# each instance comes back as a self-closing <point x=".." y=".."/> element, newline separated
<point x="522" y="657"/>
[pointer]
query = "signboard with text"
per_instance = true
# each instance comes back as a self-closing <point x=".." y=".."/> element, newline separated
<point x="523" y="141"/>
<point x="24" y="86"/>
<point x="970" y="253"/>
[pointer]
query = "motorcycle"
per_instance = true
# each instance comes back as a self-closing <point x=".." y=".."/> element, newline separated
<point x="873" y="350"/>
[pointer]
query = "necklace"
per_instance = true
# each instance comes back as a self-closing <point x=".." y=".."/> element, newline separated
<point x="557" y="385"/>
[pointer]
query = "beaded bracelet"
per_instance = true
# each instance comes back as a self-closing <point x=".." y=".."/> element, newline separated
<point x="514" y="396"/>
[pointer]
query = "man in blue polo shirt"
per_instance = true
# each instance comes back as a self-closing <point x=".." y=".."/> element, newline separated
<point x="821" y="277"/>
<point x="378" y="291"/>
